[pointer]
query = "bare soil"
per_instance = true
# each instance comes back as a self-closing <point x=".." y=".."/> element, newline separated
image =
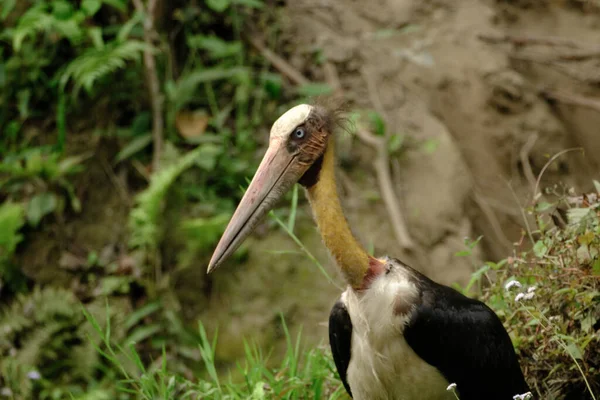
<point x="472" y="86"/>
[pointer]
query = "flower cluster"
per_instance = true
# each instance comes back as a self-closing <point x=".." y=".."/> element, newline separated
<point x="528" y="295"/>
<point x="523" y="396"/>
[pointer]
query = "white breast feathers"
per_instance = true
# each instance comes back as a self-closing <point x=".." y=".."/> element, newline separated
<point x="382" y="364"/>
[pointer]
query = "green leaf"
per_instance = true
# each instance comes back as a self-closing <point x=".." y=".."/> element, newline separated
<point x="587" y="323"/>
<point x="90" y="7"/>
<point x="377" y="123"/>
<point x="39" y="206"/>
<point x="185" y="88"/>
<point x="597" y="186"/>
<point x="314" y="89"/>
<point x="62" y="9"/>
<point x="215" y="46"/>
<point x="113" y="284"/>
<point x="128" y="26"/>
<point x="136" y="145"/>
<point x="95" y="64"/>
<point x="293" y="209"/>
<point x="95" y="33"/>
<point x="120" y="5"/>
<point x="596" y="267"/>
<point x="142" y="312"/>
<point x="207" y="156"/>
<point x="143" y="333"/>
<point x="540" y="249"/>
<point x="259" y="391"/>
<point x="7" y="8"/>
<point x="249" y="3"/>
<point x="71" y="165"/>
<point x="543" y="206"/>
<point x="12" y="218"/>
<point x="272" y="83"/>
<point x="575" y="351"/>
<point x="430" y="145"/>
<point x="204" y="232"/>
<point x="218" y="5"/>
<point x="395" y="142"/>
<point x="586" y="238"/>
<point x="576" y="215"/>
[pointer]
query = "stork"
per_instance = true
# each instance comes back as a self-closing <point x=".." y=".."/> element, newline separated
<point x="394" y="333"/>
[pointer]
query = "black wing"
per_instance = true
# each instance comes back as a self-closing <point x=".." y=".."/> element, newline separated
<point x="465" y="340"/>
<point x="340" y="340"/>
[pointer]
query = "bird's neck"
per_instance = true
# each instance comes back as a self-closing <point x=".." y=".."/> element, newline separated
<point x="349" y="254"/>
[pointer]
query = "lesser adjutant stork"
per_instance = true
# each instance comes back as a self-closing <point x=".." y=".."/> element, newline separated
<point x="394" y="333"/>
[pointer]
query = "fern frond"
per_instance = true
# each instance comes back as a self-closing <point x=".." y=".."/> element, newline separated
<point x="37" y="307"/>
<point x="97" y="63"/>
<point x="35" y="344"/>
<point x="144" y="219"/>
<point x="38" y="19"/>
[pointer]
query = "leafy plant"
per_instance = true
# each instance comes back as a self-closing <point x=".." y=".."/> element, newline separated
<point x="44" y="351"/>
<point x="549" y="298"/>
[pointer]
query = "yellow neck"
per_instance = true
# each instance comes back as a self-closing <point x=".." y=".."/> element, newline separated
<point x="324" y="200"/>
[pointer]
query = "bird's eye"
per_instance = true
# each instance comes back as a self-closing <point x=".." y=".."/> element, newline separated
<point x="299" y="133"/>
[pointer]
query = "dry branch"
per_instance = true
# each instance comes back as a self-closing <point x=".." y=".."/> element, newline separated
<point x="279" y="63"/>
<point x="384" y="177"/>
<point x="568" y="71"/>
<point x="524" y="156"/>
<point x="571" y="99"/>
<point x="524" y="40"/>
<point x="156" y="98"/>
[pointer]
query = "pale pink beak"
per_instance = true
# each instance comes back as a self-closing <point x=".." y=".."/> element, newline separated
<point x="276" y="174"/>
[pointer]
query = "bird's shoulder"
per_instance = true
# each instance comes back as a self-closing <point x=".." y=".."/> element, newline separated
<point x="465" y="340"/>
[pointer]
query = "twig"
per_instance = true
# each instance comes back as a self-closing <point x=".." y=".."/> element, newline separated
<point x="279" y="63"/>
<point x="153" y="82"/>
<point x="373" y="93"/>
<point x="572" y="73"/>
<point x="550" y="161"/>
<point x="382" y="169"/>
<point x="528" y="40"/>
<point x="572" y="99"/>
<point x="121" y="189"/>
<point x="333" y="79"/>
<point x="494" y="222"/>
<point x="524" y="156"/>
<point x="384" y="178"/>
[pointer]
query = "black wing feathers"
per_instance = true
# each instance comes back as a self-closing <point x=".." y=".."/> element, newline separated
<point x="466" y="342"/>
<point x="340" y="340"/>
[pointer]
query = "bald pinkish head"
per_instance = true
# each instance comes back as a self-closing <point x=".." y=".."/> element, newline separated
<point x="297" y="141"/>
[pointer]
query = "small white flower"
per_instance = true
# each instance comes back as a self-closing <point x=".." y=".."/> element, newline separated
<point x="511" y="284"/>
<point x="34" y="375"/>
<point x="6" y="392"/>
<point x="528" y="295"/>
<point x="531" y="289"/>
<point x="523" y="396"/>
<point x="519" y="296"/>
<point x="451" y="387"/>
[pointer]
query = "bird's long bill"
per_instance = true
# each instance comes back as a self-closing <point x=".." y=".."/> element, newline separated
<point x="276" y="174"/>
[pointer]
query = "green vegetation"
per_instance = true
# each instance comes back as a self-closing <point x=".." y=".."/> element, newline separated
<point x="549" y="297"/>
<point x="96" y="315"/>
<point x="78" y="106"/>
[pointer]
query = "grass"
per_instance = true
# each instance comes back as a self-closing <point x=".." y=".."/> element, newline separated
<point x="301" y="375"/>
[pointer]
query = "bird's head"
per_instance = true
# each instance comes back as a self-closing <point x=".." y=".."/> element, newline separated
<point x="297" y="143"/>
